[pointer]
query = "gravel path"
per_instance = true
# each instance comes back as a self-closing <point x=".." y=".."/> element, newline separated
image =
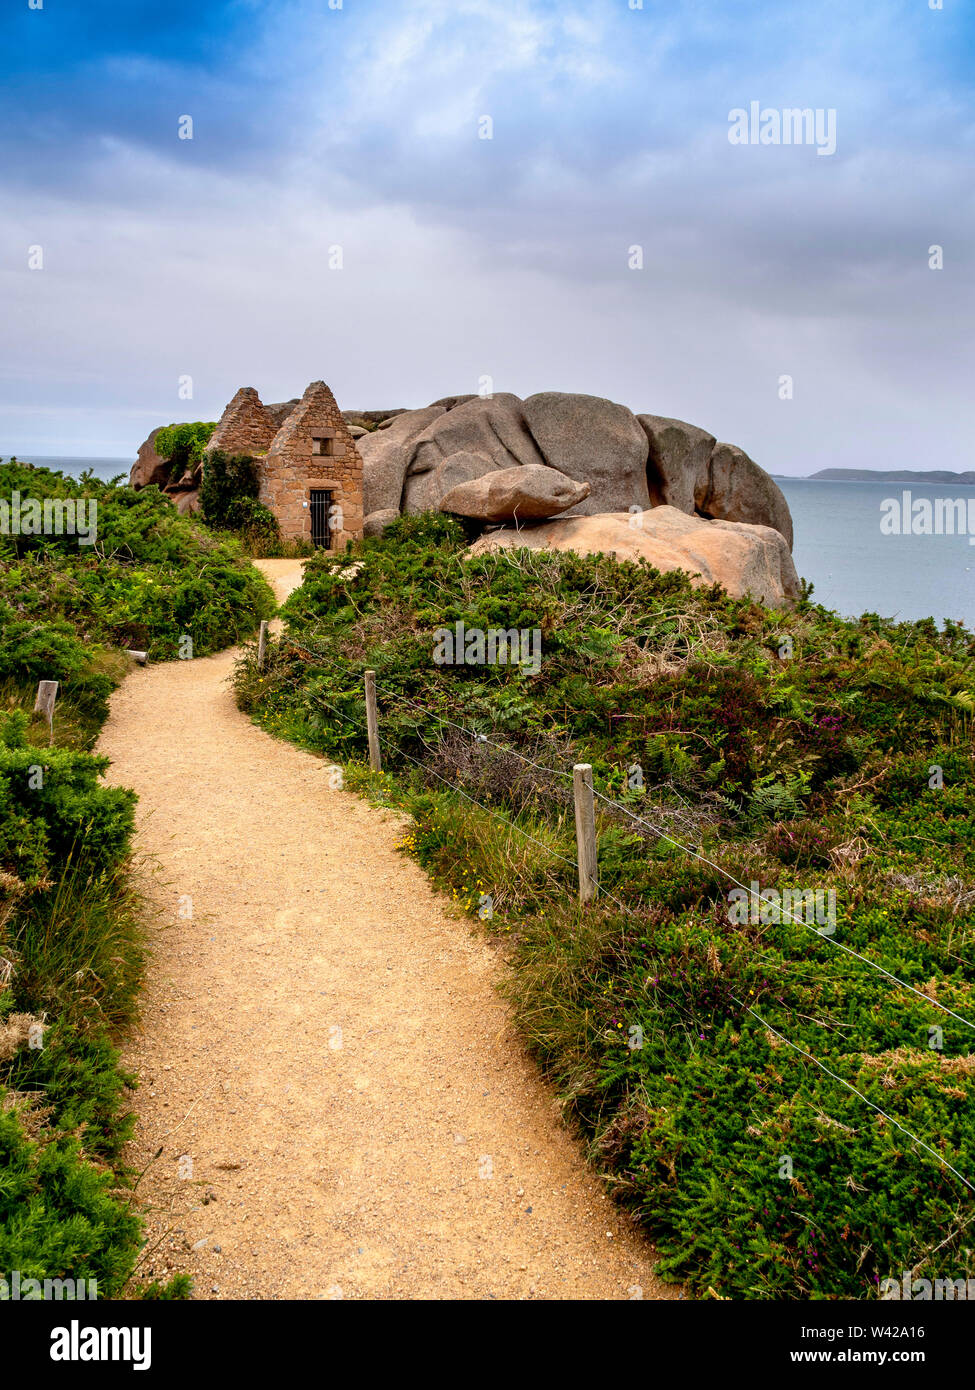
<point x="343" y="1107"/>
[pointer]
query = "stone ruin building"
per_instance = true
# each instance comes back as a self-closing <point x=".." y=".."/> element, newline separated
<point x="556" y="471"/>
<point x="308" y="467"/>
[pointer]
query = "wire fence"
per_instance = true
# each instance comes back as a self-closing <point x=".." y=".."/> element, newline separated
<point x="691" y="852"/>
<point x="378" y="740"/>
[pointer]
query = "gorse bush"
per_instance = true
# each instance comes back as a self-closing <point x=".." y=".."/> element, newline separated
<point x="72" y="925"/>
<point x="54" y="808"/>
<point x="151" y="580"/>
<point x="72" y="954"/>
<point x="59" y="1217"/>
<point x="787" y="750"/>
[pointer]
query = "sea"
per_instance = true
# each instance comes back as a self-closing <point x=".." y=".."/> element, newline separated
<point x="855" y="568"/>
<point x="105" y="469"/>
<point x="839" y="546"/>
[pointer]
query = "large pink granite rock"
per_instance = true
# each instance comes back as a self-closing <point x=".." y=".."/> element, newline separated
<point x="510" y="494"/>
<point x="743" y="558"/>
<point x="149" y="467"/>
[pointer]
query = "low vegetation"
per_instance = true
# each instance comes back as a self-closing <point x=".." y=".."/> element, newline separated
<point x="228" y="501"/>
<point x="182" y="445"/>
<point x="730" y="745"/>
<point x="72" y="924"/>
<point x="229" y="488"/>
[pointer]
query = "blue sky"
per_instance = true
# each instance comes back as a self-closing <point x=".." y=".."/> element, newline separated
<point x="465" y="258"/>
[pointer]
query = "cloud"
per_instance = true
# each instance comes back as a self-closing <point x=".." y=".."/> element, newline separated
<point x="358" y="127"/>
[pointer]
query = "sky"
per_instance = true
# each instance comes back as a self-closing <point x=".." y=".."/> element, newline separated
<point x="418" y="198"/>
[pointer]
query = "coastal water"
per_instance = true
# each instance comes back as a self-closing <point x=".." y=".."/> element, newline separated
<point x="106" y="469"/>
<point x="856" y="569"/>
<point x="839" y="546"/>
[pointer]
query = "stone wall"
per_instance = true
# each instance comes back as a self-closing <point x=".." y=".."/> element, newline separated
<point x="245" y="426"/>
<point x="297" y="446"/>
<point x="313" y="449"/>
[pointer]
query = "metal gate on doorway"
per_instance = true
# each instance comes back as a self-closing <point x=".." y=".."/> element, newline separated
<point x="321" y="525"/>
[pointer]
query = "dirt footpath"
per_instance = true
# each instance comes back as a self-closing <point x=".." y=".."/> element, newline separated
<point x="343" y="1106"/>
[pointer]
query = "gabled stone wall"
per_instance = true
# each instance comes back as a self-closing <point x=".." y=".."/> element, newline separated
<point x="297" y="446"/>
<point x="313" y="449"/>
<point x="245" y="426"/>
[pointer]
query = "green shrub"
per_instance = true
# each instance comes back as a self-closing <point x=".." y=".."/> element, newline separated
<point x="59" y="1217"/>
<point x="256" y="523"/>
<point x="183" y="445"/>
<point x="72" y="926"/>
<point x="153" y="579"/>
<point x="227" y="479"/>
<point x="72" y="814"/>
<point x="228" y="500"/>
<point x="424" y="529"/>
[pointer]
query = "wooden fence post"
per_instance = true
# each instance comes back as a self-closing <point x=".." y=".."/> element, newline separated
<point x="372" y="723"/>
<point x="47" y="693"/>
<point x="262" y="645"/>
<point x="585" y="831"/>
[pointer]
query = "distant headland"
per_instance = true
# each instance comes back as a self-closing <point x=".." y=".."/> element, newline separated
<point x="892" y="475"/>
